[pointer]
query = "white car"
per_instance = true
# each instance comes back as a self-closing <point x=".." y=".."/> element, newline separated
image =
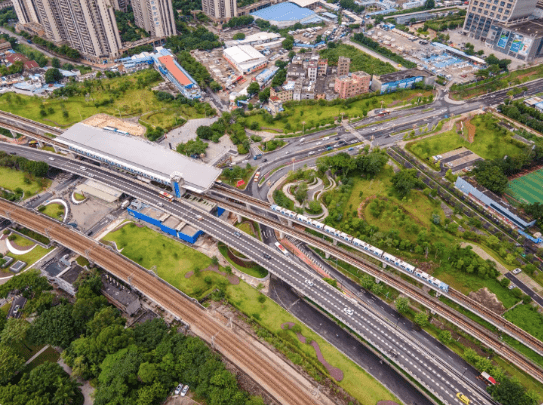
<point x="51" y="158"/>
<point x="185" y="390"/>
<point x="312" y="153"/>
<point x="318" y="143"/>
<point x="309" y="283"/>
<point x="348" y="311"/>
<point x="325" y="138"/>
<point x="287" y="152"/>
<point x="511" y="286"/>
<point x="178" y="389"/>
<point x="517" y="271"/>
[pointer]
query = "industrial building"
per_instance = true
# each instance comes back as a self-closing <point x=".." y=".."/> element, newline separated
<point x="179" y="77"/>
<point x="404" y="79"/>
<point x="521" y="40"/>
<point x="286" y="14"/>
<point x="167" y="223"/>
<point x="258" y="40"/>
<point x="245" y="58"/>
<point x="482" y="15"/>
<point x="141" y="158"/>
<point x="492" y="203"/>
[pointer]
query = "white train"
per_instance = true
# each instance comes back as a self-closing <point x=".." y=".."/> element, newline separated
<point x="366" y="246"/>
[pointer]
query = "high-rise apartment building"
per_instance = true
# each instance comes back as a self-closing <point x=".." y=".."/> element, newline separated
<point x="343" y="66"/>
<point x="86" y="25"/>
<point x="482" y="14"/>
<point x="26" y="13"/>
<point x="220" y="10"/>
<point x="155" y="16"/>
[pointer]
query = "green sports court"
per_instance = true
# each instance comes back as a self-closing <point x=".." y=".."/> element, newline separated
<point x="527" y="189"/>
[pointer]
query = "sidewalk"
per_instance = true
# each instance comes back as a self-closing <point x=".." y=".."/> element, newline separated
<point x="30" y="360"/>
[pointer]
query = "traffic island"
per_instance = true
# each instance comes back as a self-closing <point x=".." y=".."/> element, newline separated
<point x="334" y="372"/>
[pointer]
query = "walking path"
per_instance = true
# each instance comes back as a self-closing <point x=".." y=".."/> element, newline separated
<point x="30" y="360"/>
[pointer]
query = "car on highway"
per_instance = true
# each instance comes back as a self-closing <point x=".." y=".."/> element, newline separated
<point x="517" y="271"/>
<point x="309" y="283"/>
<point x="348" y="311"/>
<point x="178" y="389"/>
<point x="51" y="158"/>
<point x="318" y="143"/>
<point x="237" y="234"/>
<point x="12" y="153"/>
<point x="353" y="141"/>
<point x="336" y="138"/>
<point x="82" y="167"/>
<point x="267" y="256"/>
<point x="462" y="398"/>
<point x="351" y="148"/>
<point x="264" y="160"/>
<point x="185" y="390"/>
<point x="325" y="138"/>
<point x="312" y="153"/>
<point x="287" y="152"/>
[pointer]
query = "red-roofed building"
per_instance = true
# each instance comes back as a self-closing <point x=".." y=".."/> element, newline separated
<point x="31" y="64"/>
<point x="178" y="75"/>
<point x="15" y="57"/>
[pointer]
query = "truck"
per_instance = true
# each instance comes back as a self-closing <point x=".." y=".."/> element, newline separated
<point x="125" y="204"/>
<point x="259" y="156"/>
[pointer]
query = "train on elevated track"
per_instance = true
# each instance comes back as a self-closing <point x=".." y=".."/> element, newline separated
<point x="366" y="246"/>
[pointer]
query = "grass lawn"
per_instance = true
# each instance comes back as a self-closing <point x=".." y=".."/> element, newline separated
<point x="134" y="101"/>
<point x="171" y="117"/>
<point x="55" y="211"/>
<point x="356" y="381"/>
<point x="528" y="319"/>
<point x="487" y="143"/>
<point x="79" y="197"/>
<point x="312" y="114"/>
<point x="246" y="178"/>
<point x="29" y="258"/>
<point x="174" y="260"/>
<point x="26" y="350"/>
<point x="359" y="60"/>
<point x="526" y="380"/>
<point x="252" y="269"/>
<point x="48" y="355"/>
<point x="11" y="179"/>
<point x="82" y="261"/>
<point x="246" y="227"/>
<point x="20" y="241"/>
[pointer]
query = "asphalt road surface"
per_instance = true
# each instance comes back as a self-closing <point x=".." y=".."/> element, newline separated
<point x="525" y="289"/>
<point x="439" y="378"/>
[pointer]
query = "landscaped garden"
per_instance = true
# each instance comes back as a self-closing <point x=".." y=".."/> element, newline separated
<point x="55" y="211"/>
<point x="12" y="180"/>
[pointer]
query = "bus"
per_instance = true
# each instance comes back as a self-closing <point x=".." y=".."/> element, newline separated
<point x="166" y="196"/>
<point x="281" y="248"/>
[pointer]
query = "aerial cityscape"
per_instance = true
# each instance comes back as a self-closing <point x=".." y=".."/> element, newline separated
<point x="265" y="202"/>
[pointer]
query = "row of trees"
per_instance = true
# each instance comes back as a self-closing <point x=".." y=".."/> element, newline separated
<point x="239" y="21"/>
<point x="195" y="68"/>
<point x="37" y="169"/>
<point x="64" y="50"/>
<point x="190" y="39"/>
<point x="520" y="112"/>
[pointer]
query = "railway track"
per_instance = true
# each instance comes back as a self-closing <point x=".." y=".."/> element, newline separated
<point x="455" y="295"/>
<point x="463" y="322"/>
<point x="42" y="127"/>
<point x="277" y="382"/>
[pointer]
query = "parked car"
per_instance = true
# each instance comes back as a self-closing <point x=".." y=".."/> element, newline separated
<point x="178" y="389"/>
<point x="517" y="271"/>
<point x="185" y="390"/>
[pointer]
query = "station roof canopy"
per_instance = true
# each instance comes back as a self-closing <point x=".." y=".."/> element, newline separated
<point x="134" y="153"/>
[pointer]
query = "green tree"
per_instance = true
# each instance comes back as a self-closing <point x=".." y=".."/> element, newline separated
<point x="192" y="147"/>
<point x="10" y="363"/>
<point x="510" y="392"/>
<point x="264" y="95"/>
<point x="14" y="331"/>
<point x="253" y="88"/>
<point x="239" y="36"/>
<point x="404" y="181"/>
<point x="55" y="63"/>
<point x="421" y="319"/>
<point x="55" y="327"/>
<point x="52" y="75"/>
<point x="429" y="4"/>
<point x="402" y="304"/>
<point x="288" y="44"/>
<point x="492" y="177"/>
<point x="445" y="337"/>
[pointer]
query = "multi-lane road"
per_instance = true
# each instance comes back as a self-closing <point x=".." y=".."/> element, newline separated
<point x="433" y="373"/>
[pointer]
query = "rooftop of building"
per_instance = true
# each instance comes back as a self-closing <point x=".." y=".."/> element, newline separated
<point x="242" y="53"/>
<point x="169" y="63"/>
<point x="284" y="12"/>
<point x="258" y="37"/>
<point x="149" y="157"/>
<point x="532" y="28"/>
<point x="404" y="74"/>
<point x="72" y="274"/>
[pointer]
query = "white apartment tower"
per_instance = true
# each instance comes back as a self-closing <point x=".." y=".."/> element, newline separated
<point x="26" y="13"/>
<point x="86" y="25"/>
<point x="220" y="9"/>
<point x="155" y="16"/>
<point x="482" y="14"/>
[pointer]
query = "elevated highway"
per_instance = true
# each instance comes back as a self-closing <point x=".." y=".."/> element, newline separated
<point x="430" y="370"/>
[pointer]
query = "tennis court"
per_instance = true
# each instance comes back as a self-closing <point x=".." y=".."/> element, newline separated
<point x="528" y="189"/>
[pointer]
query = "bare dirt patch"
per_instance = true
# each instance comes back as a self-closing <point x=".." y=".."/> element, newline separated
<point x="488" y="299"/>
<point x="471" y="130"/>
<point x="335" y="372"/>
<point x="104" y="120"/>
